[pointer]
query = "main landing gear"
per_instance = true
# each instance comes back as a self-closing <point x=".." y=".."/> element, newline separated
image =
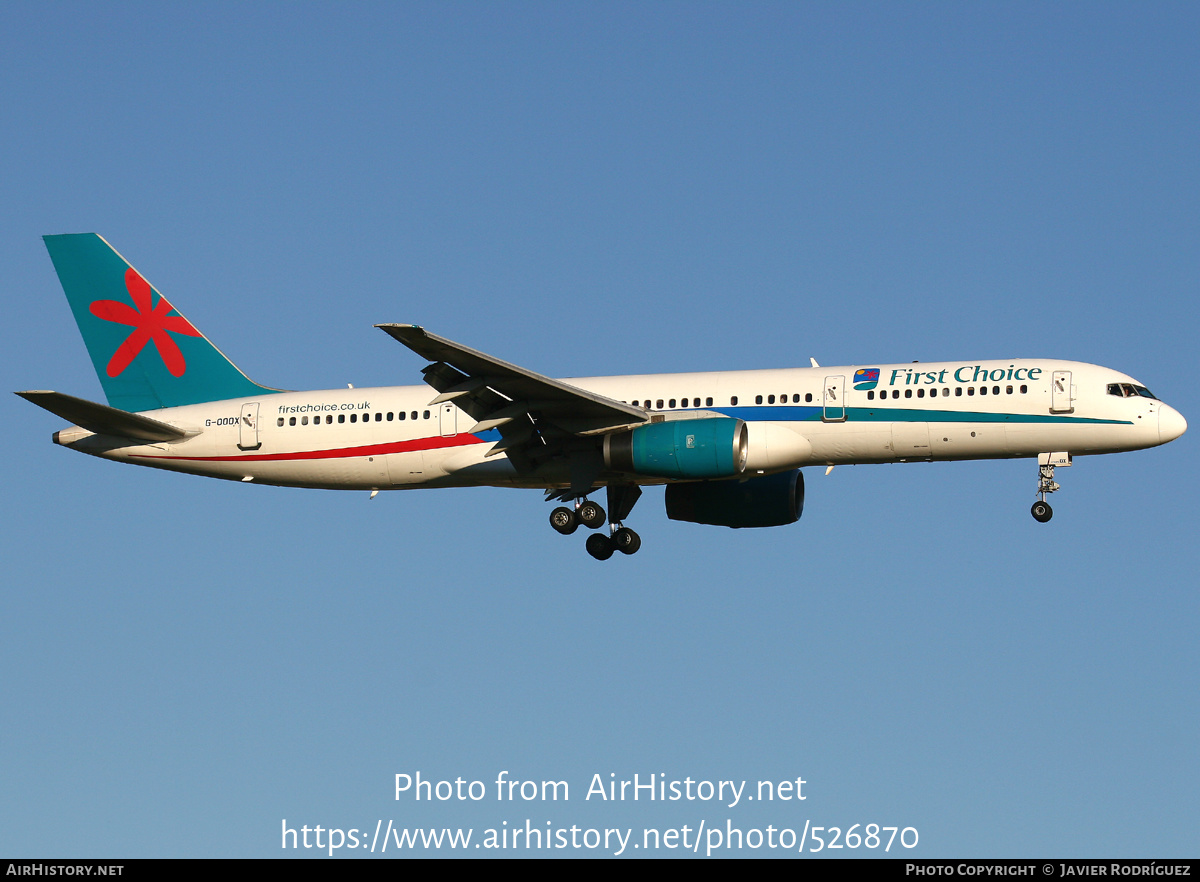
<point x="1041" y="509"/>
<point x="586" y="512"/>
<point x="621" y="498"/>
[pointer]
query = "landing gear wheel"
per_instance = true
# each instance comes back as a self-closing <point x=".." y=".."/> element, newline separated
<point x="590" y="515"/>
<point x="564" y="520"/>
<point x="626" y="541"/>
<point x="599" y="546"/>
<point x="1041" y="511"/>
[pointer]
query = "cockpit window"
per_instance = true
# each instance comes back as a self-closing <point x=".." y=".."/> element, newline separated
<point x="1129" y="390"/>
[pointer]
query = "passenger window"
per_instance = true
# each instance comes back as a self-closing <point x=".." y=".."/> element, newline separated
<point x="1024" y="389"/>
<point x="304" y="421"/>
<point x="390" y="415"/>
<point x="279" y="422"/>
<point x="659" y="404"/>
<point x="341" y="418"/>
<point x="291" y="421"/>
<point x="970" y="390"/>
<point x="770" y="399"/>
<point x="708" y="402"/>
<point x="920" y="393"/>
<point x="671" y="403"/>
<point x="808" y="397"/>
<point x="414" y="414"/>
<point x="733" y="401"/>
<point x="758" y="399"/>
<point x="425" y="415"/>
<point x="871" y="395"/>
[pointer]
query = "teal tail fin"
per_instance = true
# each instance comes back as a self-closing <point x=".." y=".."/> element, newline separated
<point x="146" y="354"/>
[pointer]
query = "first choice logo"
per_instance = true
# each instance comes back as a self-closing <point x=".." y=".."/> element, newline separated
<point x="971" y="373"/>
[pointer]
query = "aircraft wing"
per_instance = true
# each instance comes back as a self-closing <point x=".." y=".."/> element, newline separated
<point x="503" y="396"/>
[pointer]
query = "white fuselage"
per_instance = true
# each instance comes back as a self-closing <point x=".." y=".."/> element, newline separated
<point x="392" y="437"/>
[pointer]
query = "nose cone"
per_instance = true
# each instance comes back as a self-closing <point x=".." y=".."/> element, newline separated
<point x="1171" y="424"/>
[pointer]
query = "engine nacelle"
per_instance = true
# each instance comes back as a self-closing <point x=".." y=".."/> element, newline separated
<point x="769" y="501"/>
<point x="774" y="446"/>
<point x="705" y="448"/>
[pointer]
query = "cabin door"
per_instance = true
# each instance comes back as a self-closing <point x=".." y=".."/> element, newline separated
<point x="834" y="406"/>
<point x="248" y="427"/>
<point x="1060" y="392"/>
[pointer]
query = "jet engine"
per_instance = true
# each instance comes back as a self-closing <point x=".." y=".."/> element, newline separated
<point x="715" y="447"/>
<point x="769" y="501"/>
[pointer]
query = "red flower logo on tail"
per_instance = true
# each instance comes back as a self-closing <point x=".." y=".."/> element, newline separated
<point x="148" y="324"/>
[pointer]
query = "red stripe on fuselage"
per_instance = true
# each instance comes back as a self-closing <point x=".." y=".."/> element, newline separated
<point x="460" y="440"/>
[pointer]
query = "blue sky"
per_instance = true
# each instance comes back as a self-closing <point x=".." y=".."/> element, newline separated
<point x="592" y="189"/>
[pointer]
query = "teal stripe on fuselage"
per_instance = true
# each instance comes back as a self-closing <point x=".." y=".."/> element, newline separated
<point x="812" y="413"/>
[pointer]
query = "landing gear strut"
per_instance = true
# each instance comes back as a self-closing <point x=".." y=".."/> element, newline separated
<point x="1041" y="509"/>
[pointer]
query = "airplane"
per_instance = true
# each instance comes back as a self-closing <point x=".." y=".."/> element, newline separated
<point x="729" y="446"/>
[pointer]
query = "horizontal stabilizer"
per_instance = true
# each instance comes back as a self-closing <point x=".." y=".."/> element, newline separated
<point x="104" y="420"/>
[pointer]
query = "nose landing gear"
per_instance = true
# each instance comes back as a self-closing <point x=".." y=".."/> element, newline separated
<point x="1041" y="509"/>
